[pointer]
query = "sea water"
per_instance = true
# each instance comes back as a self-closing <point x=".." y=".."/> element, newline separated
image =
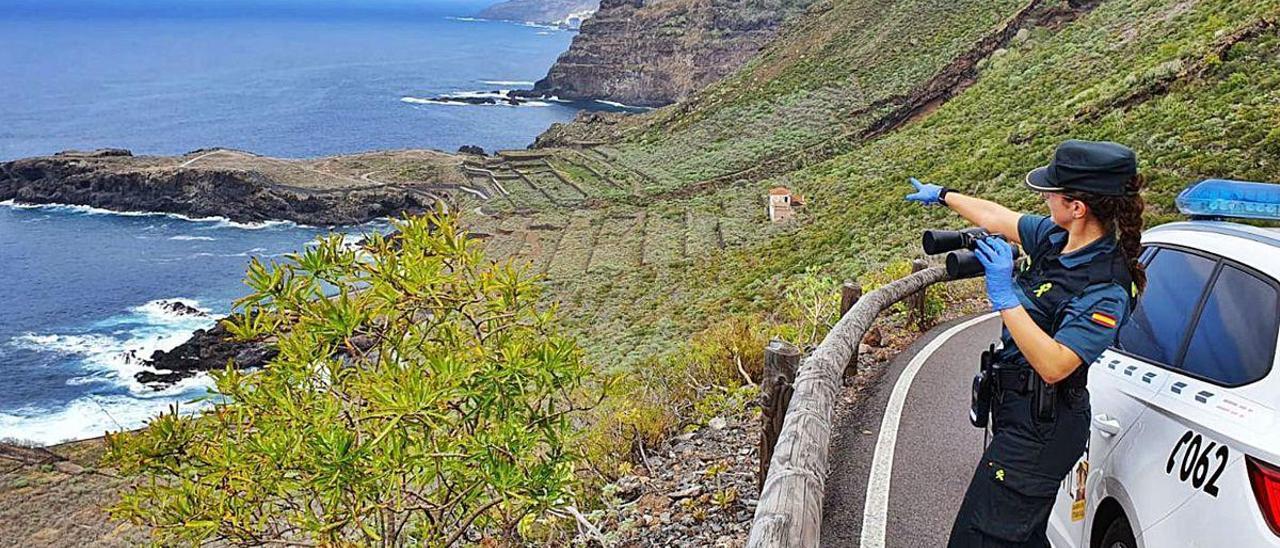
<point x="83" y="289"/>
<point x="278" y="85"/>
<point x="84" y="302"/>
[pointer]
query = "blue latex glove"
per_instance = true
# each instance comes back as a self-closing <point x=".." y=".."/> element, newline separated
<point x="996" y="256"/>
<point x="925" y="193"/>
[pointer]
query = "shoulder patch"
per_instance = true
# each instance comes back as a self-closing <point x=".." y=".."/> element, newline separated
<point x="1104" y="319"/>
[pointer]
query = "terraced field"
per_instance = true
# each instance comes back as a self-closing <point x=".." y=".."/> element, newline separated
<point x="562" y="214"/>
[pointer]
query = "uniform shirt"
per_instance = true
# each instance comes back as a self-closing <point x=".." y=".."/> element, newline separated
<point x="1081" y="330"/>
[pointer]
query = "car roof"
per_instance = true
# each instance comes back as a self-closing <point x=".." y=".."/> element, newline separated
<point x="1264" y="235"/>
<point x="1256" y="247"/>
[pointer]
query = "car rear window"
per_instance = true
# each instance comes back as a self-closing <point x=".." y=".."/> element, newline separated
<point x="1175" y="283"/>
<point x="1234" y="340"/>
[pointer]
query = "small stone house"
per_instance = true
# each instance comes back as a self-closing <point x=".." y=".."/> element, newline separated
<point x="782" y="204"/>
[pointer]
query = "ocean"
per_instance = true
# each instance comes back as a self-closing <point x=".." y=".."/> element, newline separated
<point x="280" y="86"/>
<point x="85" y="289"/>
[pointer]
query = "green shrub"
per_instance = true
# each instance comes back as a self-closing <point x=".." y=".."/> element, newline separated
<point x="730" y="352"/>
<point x="813" y="303"/>
<point x="425" y="396"/>
<point x="712" y="373"/>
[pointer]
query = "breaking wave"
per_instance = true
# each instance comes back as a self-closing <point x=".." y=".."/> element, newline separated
<point x="91" y="416"/>
<point x="500" y="99"/>
<point x="111" y="352"/>
<point x="216" y="222"/>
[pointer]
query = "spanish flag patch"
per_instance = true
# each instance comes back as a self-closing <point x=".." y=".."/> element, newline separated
<point x="1103" y="319"/>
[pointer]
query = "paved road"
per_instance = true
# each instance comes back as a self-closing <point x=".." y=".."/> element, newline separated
<point x="932" y="455"/>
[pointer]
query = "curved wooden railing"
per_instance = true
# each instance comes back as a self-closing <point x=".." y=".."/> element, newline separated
<point x="789" y="513"/>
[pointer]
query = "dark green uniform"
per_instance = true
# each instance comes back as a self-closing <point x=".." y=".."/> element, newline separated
<point x="1079" y="298"/>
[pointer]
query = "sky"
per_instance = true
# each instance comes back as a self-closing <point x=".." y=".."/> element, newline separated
<point x="234" y="8"/>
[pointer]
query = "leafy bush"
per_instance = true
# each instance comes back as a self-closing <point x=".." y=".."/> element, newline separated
<point x="425" y="397"/>
<point x="729" y="352"/>
<point x="713" y="373"/>
<point x="813" y="302"/>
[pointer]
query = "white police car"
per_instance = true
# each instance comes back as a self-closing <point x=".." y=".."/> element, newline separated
<point x="1185" y="444"/>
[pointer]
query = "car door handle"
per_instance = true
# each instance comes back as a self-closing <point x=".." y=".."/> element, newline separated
<point x="1106" y="425"/>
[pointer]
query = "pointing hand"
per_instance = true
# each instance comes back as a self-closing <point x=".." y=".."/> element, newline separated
<point x="925" y="193"/>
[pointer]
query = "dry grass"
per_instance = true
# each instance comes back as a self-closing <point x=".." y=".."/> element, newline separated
<point x="62" y="504"/>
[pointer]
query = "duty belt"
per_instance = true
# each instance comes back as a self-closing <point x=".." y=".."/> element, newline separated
<point x="1014" y="379"/>
<point x="1021" y="379"/>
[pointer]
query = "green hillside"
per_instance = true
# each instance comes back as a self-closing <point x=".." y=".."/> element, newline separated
<point x="667" y="235"/>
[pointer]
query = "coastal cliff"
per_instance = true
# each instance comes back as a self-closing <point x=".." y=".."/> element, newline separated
<point x="656" y="52"/>
<point x="235" y="185"/>
<point x="561" y="13"/>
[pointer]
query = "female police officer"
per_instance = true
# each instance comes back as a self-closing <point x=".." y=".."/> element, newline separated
<point x="1060" y="312"/>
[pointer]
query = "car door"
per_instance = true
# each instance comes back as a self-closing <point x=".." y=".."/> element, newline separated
<point x="1123" y="382"/>
<point x="1182" y="444"/>
<point x="1205" y="422"/>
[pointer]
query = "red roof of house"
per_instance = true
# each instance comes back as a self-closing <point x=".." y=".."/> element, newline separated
<point x="779" y="191"/>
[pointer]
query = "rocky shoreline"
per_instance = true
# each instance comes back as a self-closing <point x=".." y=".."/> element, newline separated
<point x="206" y="350"/>
<point x="240" y="187"/>
<point x="235" y="185"/>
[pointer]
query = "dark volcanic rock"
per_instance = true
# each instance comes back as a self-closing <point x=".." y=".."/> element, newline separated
<point x="206" y="350"/>
<point x="99" y="153"/>
<point x="496" y="99"/>
<point x="182" y="309"/>
<point x="471" y="149"/>
<point x="658" y="52"/>
<point x="117" y="181"/>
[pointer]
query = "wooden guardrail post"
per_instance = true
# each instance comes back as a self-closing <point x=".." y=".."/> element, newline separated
<point x="916" y="302"/>
<point x="850" y="292"/>
<point x="781" y="359"/>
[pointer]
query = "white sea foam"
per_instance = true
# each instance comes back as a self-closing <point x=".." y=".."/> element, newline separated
<point x="499" y="96"/>
<point x="159" y="311"/>
<point x="620" y="105"/>
<point x="91" y="416"/>
<point x="257" y="251"/>
<point x="217" y="222"/>
<point x="223" y="222"/>
<point x="185" y="238"/>
<point x="112" y="355"/>
<point x="421" y="101"/>
<point x="540" y="26"/>
<point x="118" y="355"/>
<point x="352" y="240"/>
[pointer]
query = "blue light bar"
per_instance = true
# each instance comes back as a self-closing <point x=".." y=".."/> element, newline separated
<point x="1233" y="199"/>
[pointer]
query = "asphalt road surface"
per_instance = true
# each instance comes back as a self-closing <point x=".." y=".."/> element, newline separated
<point x="913" y="430"/>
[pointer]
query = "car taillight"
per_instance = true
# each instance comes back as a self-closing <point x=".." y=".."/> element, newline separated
<point x="1265" y="479"/>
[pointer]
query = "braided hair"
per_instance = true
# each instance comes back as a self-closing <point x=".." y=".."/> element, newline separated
<point x="1122" y="216"/>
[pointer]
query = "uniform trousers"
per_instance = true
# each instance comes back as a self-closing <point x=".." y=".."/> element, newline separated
<point x="1012" y="491"/>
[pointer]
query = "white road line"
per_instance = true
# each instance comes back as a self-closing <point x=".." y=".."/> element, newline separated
<point x="875" y="511"/>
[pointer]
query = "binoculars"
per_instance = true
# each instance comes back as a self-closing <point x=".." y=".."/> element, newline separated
<point x="959" y="246"/>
